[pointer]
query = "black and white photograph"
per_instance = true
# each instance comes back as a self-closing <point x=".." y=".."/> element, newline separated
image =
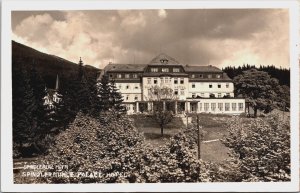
<point x="154" y="95"/>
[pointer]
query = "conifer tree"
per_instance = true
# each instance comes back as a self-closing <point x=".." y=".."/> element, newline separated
<point x="116" y="98"/>
<point x="104" y="93"/>
<point x="24" y="108"/>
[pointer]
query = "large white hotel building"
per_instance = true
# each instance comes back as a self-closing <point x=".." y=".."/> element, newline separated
<point x="199" y="89"/>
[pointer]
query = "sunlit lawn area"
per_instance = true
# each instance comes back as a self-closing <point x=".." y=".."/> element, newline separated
<point x="213" y="126"/>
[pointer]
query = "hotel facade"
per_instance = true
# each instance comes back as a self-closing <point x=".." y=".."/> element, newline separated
<point x="194" y="89"/>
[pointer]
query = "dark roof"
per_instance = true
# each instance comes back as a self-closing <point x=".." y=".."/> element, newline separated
<point x="190" y="68"/>
<point x="163" y="58"/>
<point x="125" y="67"/>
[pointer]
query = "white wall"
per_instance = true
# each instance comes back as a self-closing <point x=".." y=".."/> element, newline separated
<point x="231" y="101"/>
<point x="202" y="89"/>
<point x="170" y="84"/>
<point x="133" y="90"/>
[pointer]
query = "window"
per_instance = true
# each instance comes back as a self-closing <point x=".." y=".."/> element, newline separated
<point x="149" y="80"/>
<point x="134" y="75"/>
<point x="200" y="107"/>
<point x="220" y="106"/>
<point x="166" y="79"/>
<point x="182" y="92"/>
<point x="233" y="106"/>
<point x="120" y="86"/>
<point x="219" y="95"/>
<point x="110" y="75"/>
<point x="127" y="86"/>
<point x="210" y="85"/>
<point x="209" y="76"/>
<point x="175" y="69"/>
<point x="154" y="69"/>
<point x="200" y="75"/>
<point x="155" y="80"/>
<point x="181" y="81"/>
<point x="227" y="85"/>
<point x="176" y="92"/>
<point x="227" y="106"/>
<point x="119" y="75"/>
<point x="219" y="85"/>
<point x="213" y="106"/>
<point x="127" y="97"/>
<point x="206" y="106"/>
<point x="228" y="94"/>
<point x="135" y="97"/>
<point x="218" y="76"/>
<point x="193" y="95"/>
<point x="193" y="85"/>
<point x="126" y="75"/>
<point x="165" y="69"/>
<point x="136" y="87"/>
<point x="175" y="81"/>
<point x="202" y="94"/>
<point x="193" y="76"/>
<point x="241" y="106"/>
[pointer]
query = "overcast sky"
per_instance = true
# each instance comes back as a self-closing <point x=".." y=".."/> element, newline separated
<point x="219" y="37"/>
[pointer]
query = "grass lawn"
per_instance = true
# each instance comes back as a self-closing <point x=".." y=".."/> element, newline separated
<point x="151" y="130"/>
<point x="214" y="127"/>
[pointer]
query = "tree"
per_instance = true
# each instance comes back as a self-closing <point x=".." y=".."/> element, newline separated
<point x="258" y="88"/>
<point x="24" y="110"/>
<point x="160" y="96"/>
<point x="39" y="92"/>
<point x="261" y="147"/>
<point x="116" y="98"/>
<point x="109" y="96"/>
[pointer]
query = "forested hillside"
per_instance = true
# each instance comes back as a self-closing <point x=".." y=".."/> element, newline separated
<point x="282" y="74"/>
<point x="48" y="66"/>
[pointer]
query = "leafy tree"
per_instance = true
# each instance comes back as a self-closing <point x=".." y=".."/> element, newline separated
<point x="258" y="88"/>
<point x="261" y="149"/>
<point x="114" y="146"/>
<point x="160" y="96"/>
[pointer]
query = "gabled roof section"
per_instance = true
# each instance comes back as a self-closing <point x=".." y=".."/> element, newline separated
<point x="190" y="68"/>
<point x="125" y="67"/>
<point x="163" y="59"/>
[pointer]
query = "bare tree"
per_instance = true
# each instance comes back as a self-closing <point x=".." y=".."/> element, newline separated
<point x="163" y="102"/>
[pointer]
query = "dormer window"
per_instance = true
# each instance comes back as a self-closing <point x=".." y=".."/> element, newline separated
<point x="218" y="76"/>
<point x="154" y="69"/>
<point x="193" y="76"/>
<point x="165" y="69"/>
<point x="119" y="75"/>
<point x="126" y="75"/>
<point x="176" y="70"/>
<point x="134" y="75"/>
<point x="209" y="76"/>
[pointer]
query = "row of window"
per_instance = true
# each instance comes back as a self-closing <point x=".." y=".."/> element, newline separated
<point x="128" y="86"/>
<point x="208" y="76"/>
<point x="165" y="70"/>
<point x="126" y="76"/>
<point x="219" y="95"/>
<point x="211" y="85"/>
<point x="219" y="106"/>
<point x="165" y="80"/>
<point x="127" y="98"/>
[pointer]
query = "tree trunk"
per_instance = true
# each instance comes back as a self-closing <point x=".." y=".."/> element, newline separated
<point x="162" y="130"/>
<point x="255" y="111"/>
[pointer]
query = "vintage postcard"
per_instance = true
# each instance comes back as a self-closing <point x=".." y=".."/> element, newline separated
<point x="150" y="96"/>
